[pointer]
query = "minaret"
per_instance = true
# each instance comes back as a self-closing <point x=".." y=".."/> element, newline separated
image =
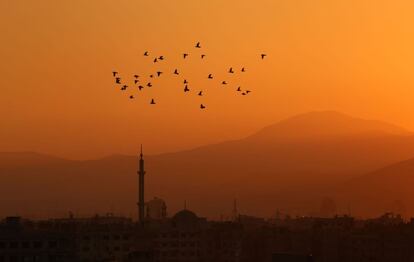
<point x="141" y="201"/>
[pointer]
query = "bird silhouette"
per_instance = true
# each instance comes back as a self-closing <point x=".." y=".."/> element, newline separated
<point x="231" y="70"/>
<point x="239" y="89"/>
<point x="118" y="80"/>
<point x="159" y="73"/>
<point x="248" y="91"/>
<point x="202" y="56"/>
<point x="149" y="84"/>
<point x="185" y="81"/>
<point x="185" y="55"/>
<point x="155" y="60"/>
<point x="176" y="71"/>
<point x="146" y="53"/>
<point x="114" y="73"/>
<point x="124" y="87"/>
<point x="152" y="102"/>
<point x="151" y="76"/>
<point x="224" y="83"/>
<point x="210" y="76"/>
<point x="198" y="45"/>
<point x="136" y="81"/>
<point x="200" y="93"/>
<point x="140" y="87"/>
<point x="161" y="57"/>
<point x="263" y="56"/>
<point x="202" y="106"/>
<point x="136" y="76"/>
<point x="243" y="93"/>
<point x="131" y="97"/>
<point x="186" y="89"/>
<point x="243" y="69"/>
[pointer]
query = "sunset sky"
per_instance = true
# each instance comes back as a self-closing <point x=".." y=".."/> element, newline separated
<point x="57" y="57"/>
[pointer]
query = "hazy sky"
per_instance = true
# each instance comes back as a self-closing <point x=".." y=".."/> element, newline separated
<point x="58" y="97"/>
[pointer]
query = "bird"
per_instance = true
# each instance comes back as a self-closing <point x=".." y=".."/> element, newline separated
<point x="202" y="56"/>
<point x="124" y="87"/>
<point x="149" y="84"/>
<point x="186" y="89"/>
<point x="159" y="73"/>
<point x="210" y="76"/>
<point x="136" y="81"/>
<point x="118" y="80"/>
<point x="176" y="71"/>
<point x="243" y="69"/>
<point x="114" y="73"/>
<point x="136" y="76"/>
<point x="146" y="53"/>
<point x="239" y="89"/>
<point x="202" y="106"/>
<point x="155" y="60"/>
<point x="243" y="93"/>
<point x="152" y="102"/>
<point x="161" y="57"/>
<point x="185" y="81"/>
<point x="140" y="87"/>
<point x="231" y="70"/>
<point x="200" y="93"/>
<point x="224" y="83"/>
<point x="131" y="97"/>
<point x="185" y="55"/>
<point x="248" y="91"/>
<point x="151" y="76"/>
<point x="198" y="45"/>
<point x="263" y="56"/>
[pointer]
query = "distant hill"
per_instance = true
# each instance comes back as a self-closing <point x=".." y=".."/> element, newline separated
<point x="289" y="166"/>
<point x="389" y="188"/>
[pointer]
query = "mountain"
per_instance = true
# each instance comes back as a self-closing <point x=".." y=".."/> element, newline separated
<point x="387" y="189"/>
<point x="287" y="166"/>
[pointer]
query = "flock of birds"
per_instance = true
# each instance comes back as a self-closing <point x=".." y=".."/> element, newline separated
<point x="140" y="86"/>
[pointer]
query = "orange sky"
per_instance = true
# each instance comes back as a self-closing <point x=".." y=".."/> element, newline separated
<point x="58" y="97"/>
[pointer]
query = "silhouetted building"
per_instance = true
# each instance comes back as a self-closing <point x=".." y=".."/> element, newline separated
<point x="156" y="209"/>
<point x="141" y="186"/>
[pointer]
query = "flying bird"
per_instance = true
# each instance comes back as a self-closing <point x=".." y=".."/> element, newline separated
<point x="161" y="57"/>
<point x="159" y="73"/>
<point x="155" y="60"/>
<point x="146" y="53"/>
<point x="185" y="55"/>
<point x="152" y="102"/>
<point x="200" y="93"/>
<point x="248" y="91"/>
<point x="231" y="70"/>
<point x="186" y="89"/>
<point x="131" y="97"/>
<point x="243" y="93"/>
<point x="136" y="76"/>
<point x="149" y="84"/>
<point x="224" y="83"/>
<point x="176" y="71"/>
<point x="151" y="76"/>
<point x="118" y="80"/>
<point x="202" y="56"/>
<point x="136" y="81"/>
<point x="238" y="89"/>
<point x="185" y="81"/>
<point x="198" y="45"/>
<point x="140" y="87"/>
<point x="124" y="87"/>
<point x="210" y="76"/>
<point x="263" y="56"/>
<point x="114" y="73"/>
<point x="243" y="70"/>
<point x="202" y="106"/>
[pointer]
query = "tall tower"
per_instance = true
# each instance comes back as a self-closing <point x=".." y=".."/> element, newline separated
<point x="141" y="201"/>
